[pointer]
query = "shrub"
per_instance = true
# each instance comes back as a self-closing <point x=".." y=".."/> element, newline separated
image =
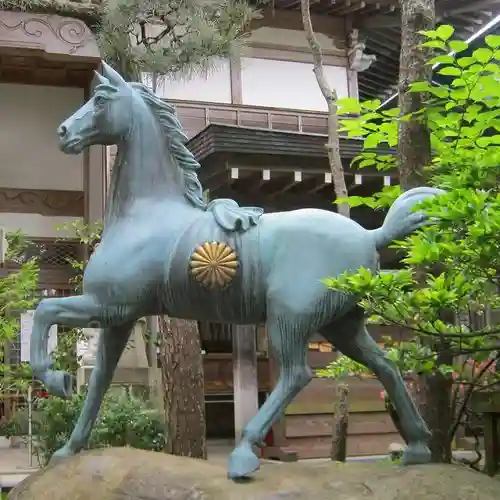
<point x="125" y="420"/>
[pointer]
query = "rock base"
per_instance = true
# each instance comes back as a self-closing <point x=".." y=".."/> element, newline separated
<point x="129" y="474"/>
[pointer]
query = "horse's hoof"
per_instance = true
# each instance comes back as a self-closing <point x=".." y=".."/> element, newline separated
<point x="61" y="454"/>
<point x="416" y="453"/>
<point x="59" y="383"/>
<point x="242" y="463"/>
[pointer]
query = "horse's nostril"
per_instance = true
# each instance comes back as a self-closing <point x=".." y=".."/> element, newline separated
<point x="62" y="131"/>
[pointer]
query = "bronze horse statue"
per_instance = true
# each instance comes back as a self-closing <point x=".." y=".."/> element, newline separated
<point x="164" y="250"/>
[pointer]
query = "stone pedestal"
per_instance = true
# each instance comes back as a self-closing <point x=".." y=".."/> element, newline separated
<point x="127" y="473"/>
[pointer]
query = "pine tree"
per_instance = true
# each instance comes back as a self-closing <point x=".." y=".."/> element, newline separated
<point x="171" y="38"/>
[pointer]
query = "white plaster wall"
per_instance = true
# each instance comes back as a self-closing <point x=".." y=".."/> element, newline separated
<point x="279" y="37"/>
<point x="36" y="225"/>
<point x="211" y="86"/>
<point x="29" y="152"/>
<point x="286" y="84"/>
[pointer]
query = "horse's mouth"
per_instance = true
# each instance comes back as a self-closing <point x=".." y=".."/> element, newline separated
<point x="72" y="146"/>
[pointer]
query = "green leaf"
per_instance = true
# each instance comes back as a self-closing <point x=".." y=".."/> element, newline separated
<point x="421" y="87"/>
<point x="444" y="59"/>
<point x="434" y="44"/>
<point x="465" y="62"/>
<point x="349" y="105"/>
<point x="445" y="31"/>
<point x="440" y="92"/>
<point x="372" y="141"/>
<point x="458" y="82"/>
<point x="428" y="33"/>
<point x="371" y="105"/>
<point x="458" y="46"/>
<point x="482" y="55"/>
<point x="450" y="71"/>
<point x="393" y="112"/>
<point x="366" y="163"/>
<point x="492" y="41"/>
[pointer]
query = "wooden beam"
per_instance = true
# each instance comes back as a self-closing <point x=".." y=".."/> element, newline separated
<point x="452" y="7"/>
<point x="444" y="9"/>
<point x="245" y="382"/>
<point x="276" y="17"/>
<point x="265" y="177"/>
<point x="381" y="48"/>
<point x="297" y="177"/>
<point x="327" y="180"/>
<point x="349" y="8"/>
<point x="378" y="21"/>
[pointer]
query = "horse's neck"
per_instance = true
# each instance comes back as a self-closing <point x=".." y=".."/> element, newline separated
<point x="141" y="172"/>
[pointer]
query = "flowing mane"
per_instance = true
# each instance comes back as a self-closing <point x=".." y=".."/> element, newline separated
<point x="228" y="214"/>
<point x="176" y="141"/>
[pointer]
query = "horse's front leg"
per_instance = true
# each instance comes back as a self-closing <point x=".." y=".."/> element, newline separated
<point x="112" y="342"/>
<point x="77" y="311"/>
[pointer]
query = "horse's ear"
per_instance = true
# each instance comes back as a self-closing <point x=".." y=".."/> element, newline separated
<point x="101" y="80"/>
<point x="113" y="76"/>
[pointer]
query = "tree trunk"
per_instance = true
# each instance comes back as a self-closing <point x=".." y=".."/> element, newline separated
<point x="182" y="373"/>
<point x="340" y="423"/>
<point x="433" y="392"/>
<point x="330" y="95"/>
<point x="414" y="149"/>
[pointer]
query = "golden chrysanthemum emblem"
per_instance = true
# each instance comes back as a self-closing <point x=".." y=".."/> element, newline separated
<point x="214" y="264"/>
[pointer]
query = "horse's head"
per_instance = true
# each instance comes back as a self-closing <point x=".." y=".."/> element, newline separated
<point x="105" y="118"/>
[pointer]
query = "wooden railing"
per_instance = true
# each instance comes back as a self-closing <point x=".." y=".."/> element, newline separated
<point x="195" y="116"/>
<point x="50" y="252"/>
<point x="54" y="259"/>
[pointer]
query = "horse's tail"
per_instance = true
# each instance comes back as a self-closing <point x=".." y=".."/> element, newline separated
<point x="401" y="220"/>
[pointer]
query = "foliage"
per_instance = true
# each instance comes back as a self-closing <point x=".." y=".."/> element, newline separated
<point x="9" y="428"/>
<point x="451" y="268"/>
<point x="18" y="292"/>
<point x="405" y="355"/>
<point x="88" y="235"/>
<point x="125" y="420"/>
<point x="65" y="356"/>
<point x="155" y="36"/>
<point x="171" y="37"/>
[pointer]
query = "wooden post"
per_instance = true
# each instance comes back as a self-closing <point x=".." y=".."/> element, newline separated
<point x="245" y="382"/>
<point x="340" y="423"/>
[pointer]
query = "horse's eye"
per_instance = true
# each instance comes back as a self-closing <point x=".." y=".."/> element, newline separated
<point x="99" y="100"/>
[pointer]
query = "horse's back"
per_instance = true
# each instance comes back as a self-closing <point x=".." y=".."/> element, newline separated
<point x="301" y="248"/>
<point x="318" y="238"/>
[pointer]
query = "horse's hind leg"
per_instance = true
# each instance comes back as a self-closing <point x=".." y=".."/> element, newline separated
<point x="112" y="342"/>
<point x="290" y="347"/>
<point x="350" y="336"/>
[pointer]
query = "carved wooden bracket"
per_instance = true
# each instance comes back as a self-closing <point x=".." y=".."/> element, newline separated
<point x="55" y="36"/>
<point x="42" y="201"/>
<point x="358" y="60"/>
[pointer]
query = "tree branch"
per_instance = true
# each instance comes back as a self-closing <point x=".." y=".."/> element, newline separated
<point x="331" y="97"/>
